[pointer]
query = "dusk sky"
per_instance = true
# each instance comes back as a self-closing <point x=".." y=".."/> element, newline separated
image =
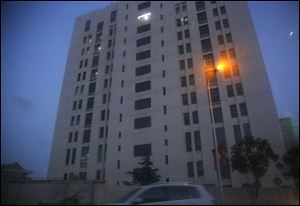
<point x="35" y="38"/>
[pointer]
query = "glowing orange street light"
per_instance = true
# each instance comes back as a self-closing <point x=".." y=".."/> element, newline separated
<point x="221" y="66"/>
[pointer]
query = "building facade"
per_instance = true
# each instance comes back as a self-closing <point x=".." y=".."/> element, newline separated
<point x="288" y="132"/>
<point x="136" y="83"/>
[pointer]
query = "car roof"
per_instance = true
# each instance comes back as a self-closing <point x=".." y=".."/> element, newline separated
<point x="173" y="184"/>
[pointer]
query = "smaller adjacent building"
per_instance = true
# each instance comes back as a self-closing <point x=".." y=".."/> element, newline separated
<point x="288" y="132"/>
<point x="14" y="172"/>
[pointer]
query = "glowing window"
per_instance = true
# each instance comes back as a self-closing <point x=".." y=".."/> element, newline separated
<point x="144" y="17"/>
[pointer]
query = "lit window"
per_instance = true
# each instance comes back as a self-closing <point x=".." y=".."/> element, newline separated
<point x="144" y="17"/>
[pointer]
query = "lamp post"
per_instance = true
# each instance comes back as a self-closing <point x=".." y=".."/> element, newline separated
<point x="219" y="67"/>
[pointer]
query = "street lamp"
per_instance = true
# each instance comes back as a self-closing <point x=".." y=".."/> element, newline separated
<point x="219" y="67"/>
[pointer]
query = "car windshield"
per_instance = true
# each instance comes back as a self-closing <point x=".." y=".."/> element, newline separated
<point x="127" y="196"/>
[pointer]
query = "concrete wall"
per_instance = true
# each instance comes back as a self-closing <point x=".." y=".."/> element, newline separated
<point x="53" y="192"/>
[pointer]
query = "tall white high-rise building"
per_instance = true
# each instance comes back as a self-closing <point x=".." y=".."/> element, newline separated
<point x="136" y="83"/>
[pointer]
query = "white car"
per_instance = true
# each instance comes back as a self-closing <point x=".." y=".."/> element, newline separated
<point x="167" y="194"/>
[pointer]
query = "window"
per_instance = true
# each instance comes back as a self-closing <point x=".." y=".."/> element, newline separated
<point x="183" y="81"/>
<point x="93" y="75"/>
<point x="142" y="122"/>
<point x="190" y="169"/>
<point x="84" y="157"/>
<point x="76" y="136"/>
<point x="163" y="74"/>
<point x="165" y="128"/>
<point x="200" y="5"/>
<point x="195" y="117"/>
<point x="162" y="43"/>
<point x="143" y="41"/>
<point x="119" y="148"/>
<point x="86" y="62"/>
<point x="157" y="194"/>
<point x="228" y="38"/>
<point x="87" y="25"/>
<point x="84" y="40"/>
<point x="218" y="117"/>
<point x="193" y="98"/>
<point x="185" y="99"/>
<point x="235" y="70"/>
<point x="197" y="140"/>
<point x="225" y="23"/>
<point x="202" y="18"/>
<point x="182" y="193"/>
<point x="188" y="142"/>
<point x="187" y="33"/>
<point x="203" y="30"/>
<point x="223" y="55"/>
<point x="97" y="49"/>
<point x="77" y="119"/>
<point x="223" y="10"/>
<point x="179" y="35"/>
<point x="166" y="159"/>
<point x="100" y="151"/>
<point x="186" y="118"/>
<point x="80" y="64"/>
<point x="164" y="91"/>
<point x="83" y="75"/>
<point x="113" y="16"/>
<point x="180" y="49"/>
<point x="101" y="132"/>
<point x="74" y="105"/>
<point x="220" y="39"/>
<point x="105" y="83"/>
<point x="142" y="86"/>
<point x="142" y="104"/>
<point x="218" y="25"/>
<point x="215" y="96"/>
<point x="81" y="89"/>
<point x="185" y="20"/>
<point x="98" y="175"/>
<point x="190" y="63"/>
<point x="73" y="155"/>
<point x="233" y="111"/>
<point x="166" y="142"/>
<point x="98" y="37"/>
<point x="108" y="56"/>
<point x="237" y="133"/>
<point x="239" y="89"/>
<point x="143" y="70"/>
<point x="142" y="150"/>
<point x="78" y="77"/>
<point x="200" y="170"/>
<point x="95" y="61"/>
<point x="247" y="129"/>
<point x="188" y="48"/>
<point x="178" y="22"/>
<point x="76" y="90"/>
<point x="120" y="117"/>
<point x="177" y="8"/>
<point x="70" y="137"/>
<point x="206" y="45"/>
<point x="143" y="55"/>
<point x="122" y="83"/>
<point x="144" y="5"/>
<point x="243" y="109"/>
<point x="92" y="88"/>
<point x="82" y="175"/>
<point x="191" y="79"/>
<point x="102" y="115"/>
<point x="215" y="12"/>
<point x="88" y="119"/>
<point x="163" y="58"/>
<point x="143" y="28"/>
<point x="221" y="139"/>
<point x="86" y="136"/>
<point x="100" y="26"/>
<point x="232" y="53"/>
<point x="90" y="103"/>
<point x="68" y="156"/>
<point x="230" y="91"/>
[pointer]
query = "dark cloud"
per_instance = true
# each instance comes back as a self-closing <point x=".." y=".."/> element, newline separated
<point x="23" y="103"/>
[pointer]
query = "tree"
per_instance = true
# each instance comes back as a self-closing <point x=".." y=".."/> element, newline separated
<point x="145" y="175"/>
<point x="290" y="166"/>
<point x="252" y="156"/>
